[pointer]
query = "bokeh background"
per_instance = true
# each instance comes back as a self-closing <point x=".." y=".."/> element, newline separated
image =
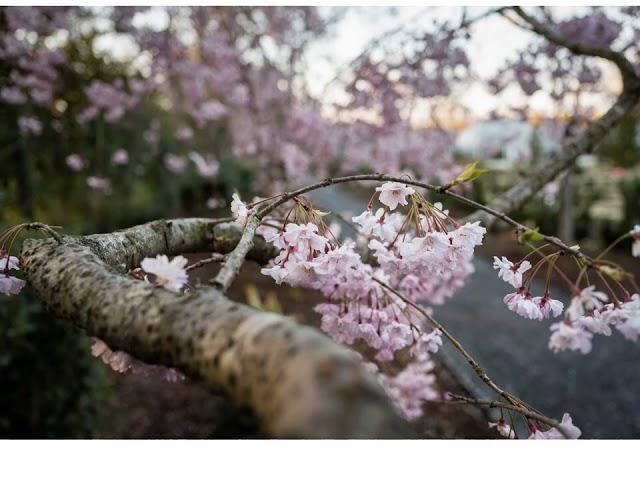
<point x="116" y="116"/>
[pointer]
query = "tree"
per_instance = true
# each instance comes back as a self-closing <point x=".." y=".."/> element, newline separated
<point x="230" y="88"/>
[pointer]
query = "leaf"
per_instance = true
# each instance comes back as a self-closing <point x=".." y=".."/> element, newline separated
<point x="613" y="272"/>
<point x="320" y="213"/>
<point x="470" y="172"/>
<point x="531" y="235"/>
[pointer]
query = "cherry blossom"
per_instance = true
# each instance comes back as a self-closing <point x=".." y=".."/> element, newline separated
<point x="170" y="275"/>
<point x="99" y="183"/>
<point x="567" y="336"/>
<point x="548" y="306"/>
<point x="393" y="194"/>
<point x="510" y="272"/>
<point x="411" y="388"/>
<point x="523" y="304"/>
<point x="427" y="264"/>
<point x="379" y="224"/>
<point x="586" y="301"/>
<point x="120" y="157"/>
<point x="503" y="428"/>
<point x="239" y="209"/>
<point x="75" y="162"/>
<point x="629" y="326"/>
<point x="567" y="425"/>
<point x="205" y="168"/>
<point x="427" y="343"/>
<point x="175" y="163"/>
<point x="10" y="285"/>
<point x="8" y="262"/>
<point x="30" y="126"/>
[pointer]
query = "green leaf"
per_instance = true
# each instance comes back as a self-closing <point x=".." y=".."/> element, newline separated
<point x="613" y="272"/>
<point x="531" y="235"/>
<point x="470" y="173"/>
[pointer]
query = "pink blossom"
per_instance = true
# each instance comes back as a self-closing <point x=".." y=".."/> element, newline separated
<point x="205" y="168"/>
<point x="503" y="428"/>
<point x="428" y="343"/>
<point x="597" y="322"/>
<point x="99" y="183"/>
<point x="548" y="306"/>
<point x="75" y="162"/>
<point x="8" y="262"/>
<point x="586" y="301"/>
<point x="629" y="327"/>
<point x="170" y="275"/>
<point x="239" y="209"/>
<point x="304" y="237"/>
<point x="568" y="427"/>
<point x="521" y="303"/>
<point x="380" y="224"/>
<point x="174" y="163"/>
<point x="411" y="388"/>
<point x="120" y="157"/>
<point x="276" y="272"/>
<point x="10" y="285"/>
<point x="12" y="95"/>
<point x="510" y="272"/>
<point x="393" y="194"/>
<point x="567" y="336"/>
<point x="30" y="126"/>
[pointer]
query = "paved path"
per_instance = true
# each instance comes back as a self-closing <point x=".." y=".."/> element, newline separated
<point x="600" y="390"/>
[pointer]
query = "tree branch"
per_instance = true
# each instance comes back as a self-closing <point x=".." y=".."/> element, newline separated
<point x="296" y="380"/>
<point x="565" y="157"/>
<point x="236" y="258"/>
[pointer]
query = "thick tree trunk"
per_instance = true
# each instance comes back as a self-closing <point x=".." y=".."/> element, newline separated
<point x="296" y="380"/>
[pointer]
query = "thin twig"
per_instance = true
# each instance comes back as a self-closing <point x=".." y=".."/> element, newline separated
<point x="460" y="399"/>
<point x="458" y="346"/>
<point x="515" y="402"/>
<point x="214" y="258"/>
<point x="379" y="177"/>
<point x="235" y="259"/>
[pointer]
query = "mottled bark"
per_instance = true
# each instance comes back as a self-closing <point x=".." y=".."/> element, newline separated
<point x="296" y="380"/>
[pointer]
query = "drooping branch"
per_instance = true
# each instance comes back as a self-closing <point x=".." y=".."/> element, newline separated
<point x="297" y="381"/>
<point x="491" y="213"/>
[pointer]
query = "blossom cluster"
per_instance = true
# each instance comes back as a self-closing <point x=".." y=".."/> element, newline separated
<point x="423" y="263"/>
<point x="536" y="433"/>
<point x="590" y="311"/>
<point x="9" y="285"/>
